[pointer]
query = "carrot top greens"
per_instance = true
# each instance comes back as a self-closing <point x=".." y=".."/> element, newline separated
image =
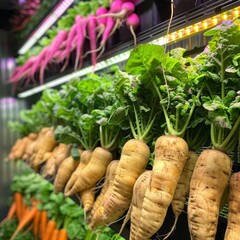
<point x="63" y="210"/>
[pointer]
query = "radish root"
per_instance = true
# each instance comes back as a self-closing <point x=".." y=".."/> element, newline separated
<point x="134" y="36"/>
<point x="172" y="229"/>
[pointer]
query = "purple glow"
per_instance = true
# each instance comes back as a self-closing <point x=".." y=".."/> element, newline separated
<point x="7" y="101"/>
<point x="10" y="63"/>
<point x="21" y="2"/>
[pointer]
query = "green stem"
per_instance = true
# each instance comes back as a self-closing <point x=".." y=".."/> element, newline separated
<point x="83" y="138"/>
<point x="169" y="125"/>
<point x="231" y="133"/>
<point x="213" y="134"/>
<point x="177" y="119"/>
<point x="137" y="120"/>
<point x="194" y="142"/>
<point x="110" y="145"/>
<point x="94" y="144"/>
<point x="217" y="61"/>
<point x="220" y="135"/>
<point x="132" y="129"/>
<point x="181" y="133"/>
<point x="90" y="137"/>
<point x="105" y="136"/>
<point x="151" y="113"/>
<point x="141" y="123"/>
<point x="79" y="140"/>
<point x="147" y="130"/>
<point x="101" y="136"/>
<point x="110" y="136"/>
<point x="210" y="92"/>
<point x="230" y="146"/>
<point x="222" y="77"/>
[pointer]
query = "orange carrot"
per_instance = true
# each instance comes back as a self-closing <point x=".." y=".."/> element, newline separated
<point x="18" y="198"/>
<point x="24" y="208"/>
<point x="36" y="223"/>
<point x="62" y="234"/>
<point x="43" y="223"/>
<point x="27" y="218"/>
<point x="11" y="213"/>
<point x="28" y="229"/>
<point x="55" y="235"/>
<point x="49" y="230"/>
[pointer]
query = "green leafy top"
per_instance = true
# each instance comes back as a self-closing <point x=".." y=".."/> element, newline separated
<point x="7" y="229"/>
<point x="172" y="78"/>
<point x="39" y="116"/>
<point x="78" y="99"/>
<point x="221" y="72"/>
<point x="139" y="103"/>
<point x="88" y="107"/>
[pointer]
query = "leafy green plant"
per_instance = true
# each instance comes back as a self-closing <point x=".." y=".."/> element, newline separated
<point x="8" y="228"/>
<point x="171" y="78"/>
<point x="220" y="72"/>
<point x="64" y="211"/>
<point x="39" y="116"/>
<point x="139" y="104"/>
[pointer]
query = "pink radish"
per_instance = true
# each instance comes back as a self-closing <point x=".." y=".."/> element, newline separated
<point x="57" y="55"/>
<point x="36" y="64"/>
<point x="133" y="22"/>
<point x="101" y="21"/>
<point x="15" y="72"/>
<point x="56" y="44"/>
<point x="68" y="49"/>
<point x="91" y="29"/>
<point x="81" y="35"/>
<point x="106" y="34"/>
<point x="127" y="8"/>
<point x="25" y="69"/>
<point x="116" y="6"/>
<point x="133" y="1"/>
<point x="61" y="36"/>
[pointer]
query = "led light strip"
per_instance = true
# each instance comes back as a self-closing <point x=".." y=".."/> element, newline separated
<point x="198" y="27"/>
<point x="172" y="37"/>
<point x="46" y="24"/>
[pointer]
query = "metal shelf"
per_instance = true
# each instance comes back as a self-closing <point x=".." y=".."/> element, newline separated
<point x="154" y="26"/>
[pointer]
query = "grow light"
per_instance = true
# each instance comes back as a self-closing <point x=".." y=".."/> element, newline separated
<point x="199" y="26"/>
<point x="172" y="37"/>
<point x="46" y="24"/>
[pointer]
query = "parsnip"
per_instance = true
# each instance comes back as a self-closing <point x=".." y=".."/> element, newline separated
<point x="209" y="180"/>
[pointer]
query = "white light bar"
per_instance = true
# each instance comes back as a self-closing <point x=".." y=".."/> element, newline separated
<point x="46" y="24"/>
<point x="174" y="36"/>
<point x="101" y="65"/>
